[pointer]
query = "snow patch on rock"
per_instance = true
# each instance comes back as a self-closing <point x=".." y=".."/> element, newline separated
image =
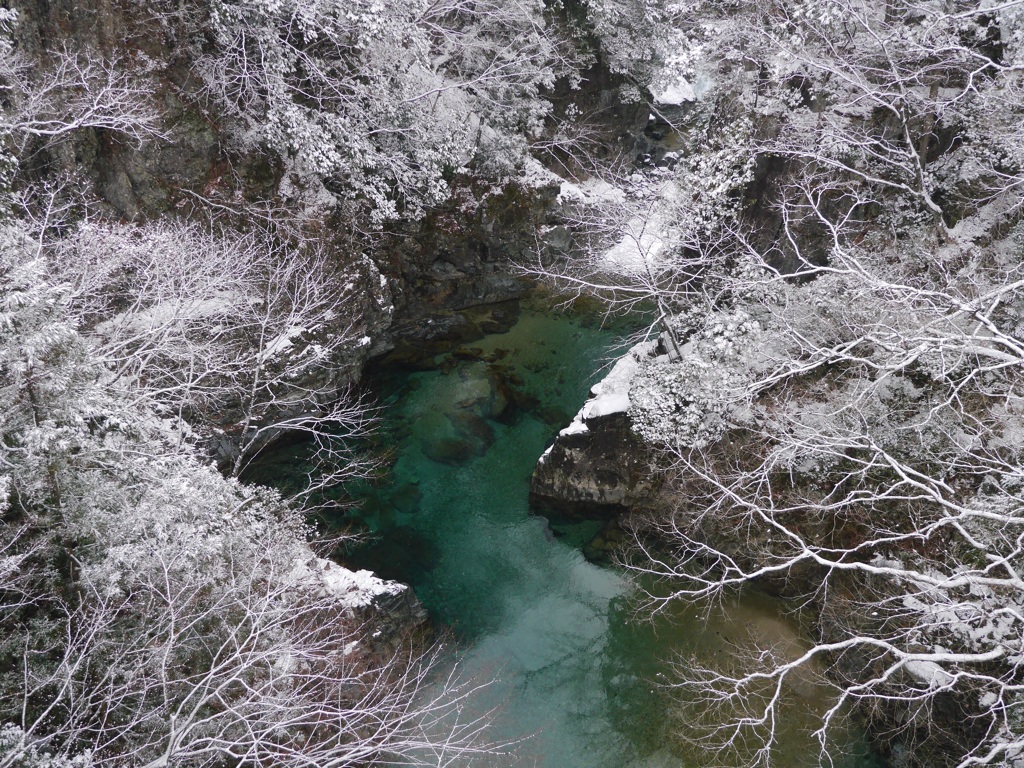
<point x="611" y="394"/>
<point x="673" y="92"/>
<point x="353" y="589"/>
<point x="590" y="192"/>
<point x="536" y="176"/>
<point x="577" y="427"/>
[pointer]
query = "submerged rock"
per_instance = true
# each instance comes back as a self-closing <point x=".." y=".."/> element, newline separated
<point x="481" y="390"/>
<point x="406" y="498"/>
<point x="474" y="429"/>
<point x="606" y="543"/>
<point x="449" y="450"/>
<point x="496" y="318"/>
<point x="473" y="436"/>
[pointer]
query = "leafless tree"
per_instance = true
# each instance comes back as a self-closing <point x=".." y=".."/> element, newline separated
<point x="45" y="101"/>
<point x="839" y="408"/>
<point x="656" y="240"/>
<point x="865" y="448"/>
<point x="309" y="82"/>
<point x="255" y="333"/>
<point x="154" y="612"/>
<point x="182" y="649"/>
<point x="870" y="454"/>
<point x="74" y="92"/>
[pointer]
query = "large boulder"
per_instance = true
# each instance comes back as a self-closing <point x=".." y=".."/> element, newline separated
<point x="597" y="466"/>
<point x="599" y="472"/>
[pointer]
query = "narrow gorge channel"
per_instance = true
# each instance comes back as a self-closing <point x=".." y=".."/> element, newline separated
<point x="578" y="672"/>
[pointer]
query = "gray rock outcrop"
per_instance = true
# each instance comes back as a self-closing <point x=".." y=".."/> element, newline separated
<point x="597" y="466"/>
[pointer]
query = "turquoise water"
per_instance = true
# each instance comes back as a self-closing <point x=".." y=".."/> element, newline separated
<point x="579" y="675"/>
<point x="529" y="610"/>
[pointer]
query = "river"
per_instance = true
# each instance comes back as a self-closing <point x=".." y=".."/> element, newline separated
<point x="579" y="675"/>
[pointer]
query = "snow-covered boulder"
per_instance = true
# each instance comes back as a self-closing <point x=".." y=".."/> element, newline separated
<point x="391" y="608"/>
<point x="597" y="465"/>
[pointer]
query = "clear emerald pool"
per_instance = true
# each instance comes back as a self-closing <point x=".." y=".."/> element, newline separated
<point x="578" y="672"/>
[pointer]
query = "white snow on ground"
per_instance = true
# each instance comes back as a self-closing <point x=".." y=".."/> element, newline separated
<point x="645" y="237"/>
<point x="354" y="589"/>
<point x="577" y="427"/>
<point x="611" y="394"/>
<point x="673" y="92"/>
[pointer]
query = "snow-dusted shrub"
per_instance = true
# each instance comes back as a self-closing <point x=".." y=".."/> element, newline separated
<point x="685" y="402"/>
<point x="713" y="177"/>
<point x="257" y="330"/>
<point x="17" y="750"/>
<point x="690" y="401"/>
<point x="158" y="613"/>
<point x="8" y="161"/>
<point x="380" y="100"/>
<point x="629" y="33"/>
